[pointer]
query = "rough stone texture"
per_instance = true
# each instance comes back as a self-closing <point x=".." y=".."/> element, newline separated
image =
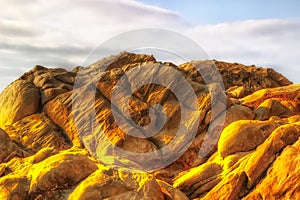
<point x="14" y="187"/>
<point x="244" y="135"/>
<point x="272" y="107"/>
<point x="289" y="93"/>
<point x="170" y="192"/>
<point x="66" y="170"/>
<point x="239" y="92"/>
<point x="117" y="185"/>
<point x="252" y="154"/>
<point x="51" y="82"/>
<point x="266" y="153"/>
<point x="18" y="100"/>
<point x="10" y="149"/>
<point x="282" y="180"/>
<point x="37" y="131"/>
<point x="229" y="188"/>
<point x="234" y="74"/>
<point x="198" y="180"/>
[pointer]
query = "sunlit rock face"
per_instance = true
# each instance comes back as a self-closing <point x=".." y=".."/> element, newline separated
<point x="245" y="146"/>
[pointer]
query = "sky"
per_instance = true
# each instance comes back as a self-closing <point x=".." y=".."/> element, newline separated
<point x="63" y="33"/>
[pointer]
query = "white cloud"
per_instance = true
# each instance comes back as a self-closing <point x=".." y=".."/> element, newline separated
<point x="267" y="43"/>
<point x="61" y="33"/>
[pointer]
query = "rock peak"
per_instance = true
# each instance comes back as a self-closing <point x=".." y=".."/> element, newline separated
<point x="245" y="146"/>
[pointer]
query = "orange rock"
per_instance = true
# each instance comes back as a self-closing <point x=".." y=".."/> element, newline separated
<point x="18" y="100"/>
<point x="36" y="132"/>
<point x="247" y="148"/>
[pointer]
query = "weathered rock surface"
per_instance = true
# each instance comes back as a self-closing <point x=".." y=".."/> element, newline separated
<point x="18" y="100"/>
<point x="118" y="185"/>
<point x="246" y="144"/>
<point x="10" y="149"/>
<point x="282" y="180"/>
<point x="37" y="131"/>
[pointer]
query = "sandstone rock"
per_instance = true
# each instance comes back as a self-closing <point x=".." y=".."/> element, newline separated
<point x="233" y="161"/>
<point x="232" y="114"/>
<point x="250" y="76"/>
<point x="242" y="136"/>
<point x="121" y="60"/>
<point x="198" y="178"/>
<point x="14" y="188"/>
<point x="234" y="74"/>
<point x="43" y="154"/>
<point x="59" y="111"/>
<point x="266" y="153"/>
<point x="293" y="119"/>
<point x="9" y="149"/>
<point x="282" y="178"/>
<point x="18" y="100"/>
<point x="272" y="107"/>
<point x="234" y="155"/>
<point x="59" y="172"/>
<point x="171" y="193"/>
<point x="290" y="93"/>
<point x="37" y="131"/>
<point x="214" y="127"/>
<point x="110" y="184"/>
<point x="229" y="188"/>
<point x="238" y="91"/>
<point x="51" y="82"/>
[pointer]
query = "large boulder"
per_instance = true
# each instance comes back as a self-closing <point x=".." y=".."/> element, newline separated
<point x="112" y="184"/>
<point x="60" y="171"/>
<point x="14" y="187"/>
<point x="51" y="82"/>
<point x="282" y="180"/>
<point x="20" y="99"/>
<point x="199" y="180"/>
<point x="36" y="132"/>
<point x="10" y="149"/>
<point x="242" y="136"/>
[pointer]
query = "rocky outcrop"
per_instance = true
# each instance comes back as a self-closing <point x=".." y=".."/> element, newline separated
<point x="36" y="132"/>
<point x="282" y="177"/>
<point x="10" y="149"/>
<point x="243" y="79"/>
<point x="106" y="183"/>
<point x="61" y="132"/>
<point x="242" y="160"/>
<point x="18" y="100"/>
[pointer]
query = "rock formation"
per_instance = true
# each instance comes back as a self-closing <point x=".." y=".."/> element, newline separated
<point x="249" y="128"/>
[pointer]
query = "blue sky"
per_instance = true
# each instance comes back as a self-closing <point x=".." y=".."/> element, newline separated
<point x="63" y="33"/>
<point x="219" y="11"/>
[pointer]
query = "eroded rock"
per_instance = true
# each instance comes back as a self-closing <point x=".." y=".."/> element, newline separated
<point x="248" y="148"/>
<point x="18" y="100"/>
<point x="36" y="132"/>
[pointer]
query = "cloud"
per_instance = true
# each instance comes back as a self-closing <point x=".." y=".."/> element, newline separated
<point x="62" y="33"/>
<point x="267" y="43"/>
<point x="61" y="50"/>
<point x="14" y="29"/>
